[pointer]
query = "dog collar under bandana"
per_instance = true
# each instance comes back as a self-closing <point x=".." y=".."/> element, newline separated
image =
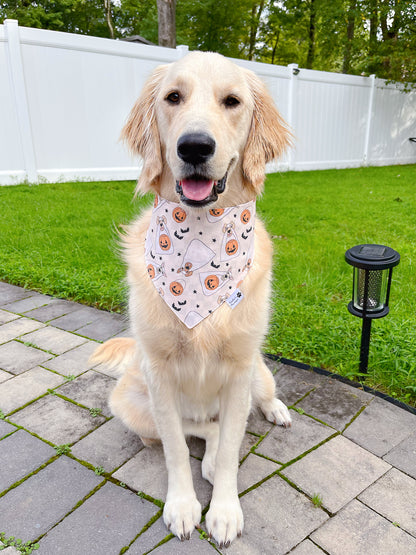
<point x="197" y="259"/>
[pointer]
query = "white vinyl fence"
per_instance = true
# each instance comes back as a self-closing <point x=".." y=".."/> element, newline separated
<point x="64" y="99"/>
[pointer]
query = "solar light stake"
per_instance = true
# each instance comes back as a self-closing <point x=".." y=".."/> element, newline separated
<point x="373" y="268"/>
<point x="365" y="345"/>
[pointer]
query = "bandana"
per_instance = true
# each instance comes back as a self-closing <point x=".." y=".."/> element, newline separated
<point x="197" y="259"/>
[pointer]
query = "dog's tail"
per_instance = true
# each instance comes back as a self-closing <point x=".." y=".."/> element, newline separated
<point x="115" y="353"/>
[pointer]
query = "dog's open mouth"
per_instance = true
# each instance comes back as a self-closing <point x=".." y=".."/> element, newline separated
<point x="197" y="191"/>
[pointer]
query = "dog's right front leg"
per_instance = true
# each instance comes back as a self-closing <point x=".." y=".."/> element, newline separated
<point x="182" y="511"/>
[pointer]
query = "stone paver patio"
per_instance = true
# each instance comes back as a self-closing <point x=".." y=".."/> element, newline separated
<point x="342" y="480"/>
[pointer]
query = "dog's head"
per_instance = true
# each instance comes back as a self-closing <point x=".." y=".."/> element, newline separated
<point x="205" y="128"/>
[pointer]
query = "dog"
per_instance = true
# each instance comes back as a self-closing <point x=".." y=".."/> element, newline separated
<point x="205" y="128"/>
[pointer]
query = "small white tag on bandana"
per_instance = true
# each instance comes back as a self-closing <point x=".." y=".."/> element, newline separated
<point x="197" y="259"/>
<point x="235" y="299"/>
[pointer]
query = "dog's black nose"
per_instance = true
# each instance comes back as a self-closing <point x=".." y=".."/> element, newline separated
<point x="195" y="148"/>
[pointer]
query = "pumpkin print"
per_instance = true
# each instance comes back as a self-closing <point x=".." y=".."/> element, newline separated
<point x="164" y="242"/>
<point x="231" y="247"/>
<point x="176" y="288"/>
<point x="179" y="214"/>
<point x="211" y="282"/>
<point x="216" y="212"/>
<point x="245" y="216"/>
<point x="151" y="271"/>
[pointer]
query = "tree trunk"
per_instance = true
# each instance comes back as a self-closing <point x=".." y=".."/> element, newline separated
<point x="350" y="36"/>
<point x="256" y="12"/>
<point x="311" y="36"/>
<point x="166" y="22"/>
<point x="275" y="45"/>
<point x="390" y="34"/>
<point x="108" y="17"/>
<point x="373" y="27"/>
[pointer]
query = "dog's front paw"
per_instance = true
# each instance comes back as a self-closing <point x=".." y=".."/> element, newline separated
<point x="275" y="411"/>
<point x="181" y="515"/>
<point x="225" y="521"/>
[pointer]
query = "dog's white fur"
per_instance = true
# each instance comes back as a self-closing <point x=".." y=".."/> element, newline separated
<point x="201" y="381"/>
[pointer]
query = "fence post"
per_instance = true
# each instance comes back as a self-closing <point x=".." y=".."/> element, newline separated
<point x="291" y="107"/>
<point x="17" y="81"/>
<point x="369" y="119"/>
<point x="182" y="50"/>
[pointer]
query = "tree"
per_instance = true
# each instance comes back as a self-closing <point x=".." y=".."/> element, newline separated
<point x="256" y="13"/>
<point x="137" y="17"/>
<point x="391" y="45"/>
<point x="227" y="27"/>
<point x="166" y="10"/>
<point x="109" y="17"/>
<point x="311" y="34"/>
<point x="350" y="36"/>
<point x="285" y="35"/>
<point x="73" y="16"/>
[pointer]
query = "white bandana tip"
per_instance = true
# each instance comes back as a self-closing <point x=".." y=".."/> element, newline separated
<point x="198" y="259"/>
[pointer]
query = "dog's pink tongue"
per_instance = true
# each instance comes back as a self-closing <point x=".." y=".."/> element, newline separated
<point x="196" y="190"/>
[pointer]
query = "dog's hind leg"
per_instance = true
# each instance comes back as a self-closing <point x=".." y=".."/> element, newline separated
<point x="263" y="391"/>
<point x="130" y="402"/>
<point x="209" y="431"/>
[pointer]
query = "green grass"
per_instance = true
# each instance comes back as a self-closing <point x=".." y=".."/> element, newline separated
<point x="316" y="217"/>
<point x="61" y="239"/>
<point x="317" y="500"/>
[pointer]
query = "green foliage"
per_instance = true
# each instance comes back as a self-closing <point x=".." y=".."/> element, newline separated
<point x="63" y="449"/>
<point x="99" y="470"/>
<point x="350" y="36"/>
<point x="86" y="17"/>
<point x="137" y="17"/>
<point x="317" y="500"/>
<point x="18" y="544"/>
<point x="95" y="412"/>
<point x="202" y="534"/>
<point x="215" y="26"/>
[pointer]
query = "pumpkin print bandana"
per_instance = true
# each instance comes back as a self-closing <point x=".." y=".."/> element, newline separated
<point x="197" y="259"/>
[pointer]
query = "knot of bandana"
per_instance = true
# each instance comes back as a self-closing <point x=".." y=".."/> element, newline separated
<point x="197" y="259"/>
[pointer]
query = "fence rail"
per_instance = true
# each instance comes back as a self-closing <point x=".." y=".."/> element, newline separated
<point x="65" y="97"/>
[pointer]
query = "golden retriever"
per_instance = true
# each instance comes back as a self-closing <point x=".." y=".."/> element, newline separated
<point x="205" y="129"/>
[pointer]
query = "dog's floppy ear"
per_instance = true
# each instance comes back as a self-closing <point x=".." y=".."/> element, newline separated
<point x="269" y="135"/>
<point x="141" y="133"/>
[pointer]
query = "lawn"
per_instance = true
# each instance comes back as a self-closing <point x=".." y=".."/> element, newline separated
<point x="61" y="239"/>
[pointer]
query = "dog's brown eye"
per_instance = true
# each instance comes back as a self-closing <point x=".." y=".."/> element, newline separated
<point x="231" y="101"/>
<point x="173" y="97"/>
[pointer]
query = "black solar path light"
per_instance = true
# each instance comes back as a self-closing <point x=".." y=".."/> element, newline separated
<point x="372" y="271"/>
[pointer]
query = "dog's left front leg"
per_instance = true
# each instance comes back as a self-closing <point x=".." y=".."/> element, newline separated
<point x="224" y="519"/>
